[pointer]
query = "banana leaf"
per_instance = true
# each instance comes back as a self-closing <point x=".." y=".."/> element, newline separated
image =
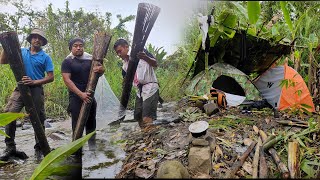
<point x="6" y="118"/>
<point x="286" y="15"/>
<point x="253" y="11"/>
<point x="51" y="164"/>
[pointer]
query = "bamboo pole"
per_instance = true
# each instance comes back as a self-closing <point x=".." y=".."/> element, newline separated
<point x="291" y="123"/>
<point x="101" y="44"/>
<point x="272" y="142"/>
<point x="293" y="159"/>
<point x="255" y="163"/>
<point x="11" y="46"/>
<point x="281" y="166"/>
<point x="263" y="167"/>
<point x="236" y="166"/>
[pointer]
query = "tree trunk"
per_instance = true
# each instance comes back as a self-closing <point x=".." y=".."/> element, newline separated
<point x="11" y="46"/>
<point x="293" y="159"/>
<point x="101" y="44"/>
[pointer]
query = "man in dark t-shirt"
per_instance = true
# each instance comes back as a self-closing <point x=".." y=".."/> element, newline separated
<point x="75" y="71"/>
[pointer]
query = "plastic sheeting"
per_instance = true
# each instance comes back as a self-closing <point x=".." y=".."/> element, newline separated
<point x="109" y="108"/>
<point x="234" y="100"/>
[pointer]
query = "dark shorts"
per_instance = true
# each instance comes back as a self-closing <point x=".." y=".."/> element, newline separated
<point x="147" y="108"/>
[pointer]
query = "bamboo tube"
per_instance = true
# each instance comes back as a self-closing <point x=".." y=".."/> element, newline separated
<point x="236" y="166"/>
<point x="269" y="139"/>
<point x="291" y="123"/>
<point x="293" y="159"/>
<point x="255" y="163"/>
<point x="272" y="142"/>
<point x="263" y="167"/>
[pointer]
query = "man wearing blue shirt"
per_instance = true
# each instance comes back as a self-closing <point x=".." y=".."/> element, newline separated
<point x="36" y="64"/>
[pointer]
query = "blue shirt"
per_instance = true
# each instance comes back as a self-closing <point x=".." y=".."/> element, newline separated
<point x="36" y="65"/>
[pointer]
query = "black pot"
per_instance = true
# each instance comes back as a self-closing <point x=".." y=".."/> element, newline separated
<point x="196" y="135"/>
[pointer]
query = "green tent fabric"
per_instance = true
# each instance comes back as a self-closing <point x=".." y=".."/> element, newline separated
<point x="226" y="78"/>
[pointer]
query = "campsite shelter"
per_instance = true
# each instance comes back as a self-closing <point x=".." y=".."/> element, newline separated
<point x="236" y="85"/>
<point x="245" y="53"/>
<point x="292" y="93"/>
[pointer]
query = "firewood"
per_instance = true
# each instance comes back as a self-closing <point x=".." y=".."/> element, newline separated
<point x="293" y="159"/>
<point x="236" y="166"/>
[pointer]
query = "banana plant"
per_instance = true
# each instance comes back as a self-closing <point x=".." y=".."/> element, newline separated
<point x="226" y="23"/>
<point x="52" y="164"/>
<point x="254" y="10"/>
<point x="6" y="118"/>
<point x="299" y="23"/>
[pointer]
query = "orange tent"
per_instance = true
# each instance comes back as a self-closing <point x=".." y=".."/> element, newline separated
<point x="283" y="87"/>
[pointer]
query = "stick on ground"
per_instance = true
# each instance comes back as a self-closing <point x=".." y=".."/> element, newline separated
<point x="236" y="166"/>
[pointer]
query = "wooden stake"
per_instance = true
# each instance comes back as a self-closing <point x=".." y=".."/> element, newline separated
<point x="101" y="44"/>
<point x="11" y="46"/>
<point x="281" y="166"/>
<point x="293" y="159"/>
<point x="236" y="166"/>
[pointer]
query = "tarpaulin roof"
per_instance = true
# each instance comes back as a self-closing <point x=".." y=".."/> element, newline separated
<point x="248" y="53"/>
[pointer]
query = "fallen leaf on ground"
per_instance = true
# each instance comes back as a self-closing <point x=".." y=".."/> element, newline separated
<point x="247" y="167"/>
<point x="247" y="141"/>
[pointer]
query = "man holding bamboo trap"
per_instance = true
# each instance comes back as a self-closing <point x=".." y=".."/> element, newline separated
<point x="36" y="63"/>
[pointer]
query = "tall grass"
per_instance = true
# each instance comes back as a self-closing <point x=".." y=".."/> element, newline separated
<point x="7" y="85"/>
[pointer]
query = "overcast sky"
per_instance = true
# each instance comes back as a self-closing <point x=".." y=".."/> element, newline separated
<point x="167" y="28"/>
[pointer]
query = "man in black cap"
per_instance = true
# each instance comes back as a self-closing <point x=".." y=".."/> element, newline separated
<point x="36" y="63"/>
<point x="75" y="71"/>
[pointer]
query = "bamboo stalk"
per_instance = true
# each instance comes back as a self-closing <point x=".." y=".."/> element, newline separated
<point x="293" y="159"/>
<point x="281" y="166"/>
<point x="272" y="142"/>
<point x="101" y="44"/>
<point x="236" y="166"/>
<point x="299" y="121"/>
<point x="291" y="123"/>
<point x="11" y="46"/>
<point x="269" y="139"/>
<point x="304" y="132"/>
<point x="263" y="167"/>
<point x="255" y="163"/>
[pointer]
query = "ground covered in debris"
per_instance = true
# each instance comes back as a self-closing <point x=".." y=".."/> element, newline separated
<point x="220" y="152"/>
